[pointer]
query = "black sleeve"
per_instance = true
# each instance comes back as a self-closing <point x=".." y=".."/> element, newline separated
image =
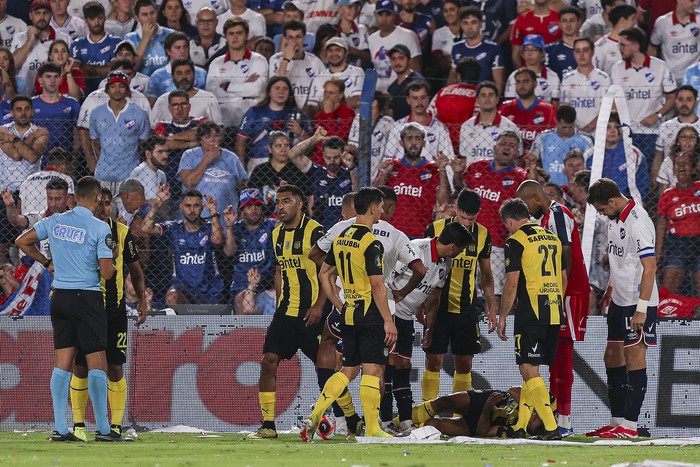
<point x="330" y="257"/>
<point x="514" y="255"/>
<point x="130" y="251"/>
<point x="374" y="259"/>
<point x="429" y="231"/>
<point x="317" y="234"/>
<point x="486" y="252"/>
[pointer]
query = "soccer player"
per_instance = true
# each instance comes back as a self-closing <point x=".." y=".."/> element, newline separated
<point x="449" y="243"/>
<point x="558" y="219"/>
<point x="126" y="257"/>
<point x="633" y="297"/>
<point x="455" y="322"/>
<point x="356" y="256"/>
<point x="534" y="275"/>
<point x="300" y="299"/>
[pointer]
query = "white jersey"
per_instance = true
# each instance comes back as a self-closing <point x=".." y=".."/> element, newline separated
<point x="256" y="22"/>
<point x="353" y="76"/>
<point x="193" y="7"/>
<point x="668" y="131"/>
<point x="593" y="7"/>
<point x="73" y="27"/>
<point x="75" y="7"/>
<point x="117" y="29"/>
<point x="380" y="135"/>
<point x="99" y="97"/>
<point x="199" y="56"/>
<point x="320" y="12"/>
<point x="437" y="139"/>
<point x="666" y="175"/>
<point x="202" y="104"/>
<point x="357" y="39"/>
<point x="548" y="86"/>
<point x="645" y="89"/>
<point x="584" y="93"/>
<point x="9" y="27"/>
<point x="36" y="56"/>
<point x="379" y="48"/>
<point x="366" y="14"/>
<point x="476" y="140"/>
<point x="606" y="53"/>
<point x="300" y="72"/>
<point x="443" y="40"/>
<point x="149" y="178"/>
<point x="680" y="43"/>
<point x="435" y="274"/>
<point x="32" y="191"/>
<point x="631" y="238"/>
<point x="12" y="172"/>
<point x="595" y="27"/>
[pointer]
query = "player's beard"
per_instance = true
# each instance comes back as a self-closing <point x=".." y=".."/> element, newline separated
<point x="333" y="168"/>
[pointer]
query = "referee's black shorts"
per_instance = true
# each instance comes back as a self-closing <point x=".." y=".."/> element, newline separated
<point x="117" y="325"/>
<point x="79" y="320"/>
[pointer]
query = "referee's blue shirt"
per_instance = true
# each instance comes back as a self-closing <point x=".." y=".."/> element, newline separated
<point x="78" y="240"/>
<point x="119" y="140"/>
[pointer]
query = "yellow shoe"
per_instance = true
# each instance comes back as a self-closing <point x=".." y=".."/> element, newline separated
<point x="380" y="434"/>
<point x="263" y="433"/>
<point x="80" y="433"/>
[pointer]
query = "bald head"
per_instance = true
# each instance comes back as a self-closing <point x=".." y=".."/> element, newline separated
<point x="534" y="196"/>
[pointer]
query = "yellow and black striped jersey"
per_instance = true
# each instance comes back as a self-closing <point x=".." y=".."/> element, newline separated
<point x="357" y="254"/>
<point x="300" y="286"/>
<point x="537" y="254"/>
<point x="460" y="287"/>
<point x="113" y="289"/>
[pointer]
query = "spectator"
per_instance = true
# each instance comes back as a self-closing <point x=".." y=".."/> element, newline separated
<point x="385" y="38"/>
<point x="8" y="74"/>
<point x="278" y="171"/>
<point x="527" y="111"/>
<point x="21" y="144"/>
<point x="127" y="52"/>
<point x="607" y="48"/>
<point x="380" y="125"/>
<point x="548" y="84"/>
<point x="292" y="12"/>
<point x="498" y="19"/>
<point x="32" y="191"/>
<point x="72" y="80"/>
<point x="488" y="53"/>
<point x="256" y="21"/>
<point x="676" y="36"/>
<point x="320" y="13"/>
<point x="238" y="77"/>
<point x="478" y="135"/>
<point x="212" y="170"/>
<point x="325" y="33"/>
<point x="560" y="54"/>
<point x="335" y="116"/>
<point x="554" y="192"/>
<point x="61" y="21"/>
<point x="193" y="7"/>
<point x="173" y="15"/>
<point x="686" y="101"/>
<point x="56" y="192"/>
<point x="121" y="20"/>
<point x="616" y="162"/>
<point x="599" y="24"/>
<point x="277" y="111"/>
<point x="653" y="12"/>
<point x="192" y="239"/>
<point x="150" y="172"/>
<point x="687" y="140"/>
<point x="207" y="41"/>
<point x="419" y="182"/>
<point x="590" y="8"/>
<point x="31" y="47"/>
<point x="352" y="32"/>
<point x="338" y="67"/>
<point x="329" y="182"/>
<point x="366" y="15"/>
<point x="446" y="36"/>
<point x="11" y="26"/>
<point x="148" y="38"/>
<point x="551" y="146"/>
<point x="678" y="227"/>
<point x="400" y="58"/>
<point x="265" y="47"/>
<point x="116" y="129"/>
<point x="649" y="89"/>
<point x="292" y="62"/>
<point x="93" y="52"/>
<point x="437" y="138"/>
<point x="583" y="88"/>
<point x="203" y="103"/>
<point x="8" y="282"/>
<point x="542" y="21"/>
<point x="162" y="81"/>
<point x="410" y="18"/>
<point x="249" y="241"/>
<point x="574" y="162"/>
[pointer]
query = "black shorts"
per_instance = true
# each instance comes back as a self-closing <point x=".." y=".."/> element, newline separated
<point x="287" y="334"/>
<point x="79" y="320"/>
<point x="364" y="343"/>
<point x="117" y="326"/>
<point x="460" y="331"/>
<point x="335" y="323"/>
<point x="619" y="326"/>
<point x="406" y="337"/>
<point x="536" y="344"/>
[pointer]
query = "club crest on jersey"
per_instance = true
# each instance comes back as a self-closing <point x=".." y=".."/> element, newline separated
<point x="538" y="119"/>
<point x="129" y="124"/>
<point x="287" y="244"/>
<point x="344" y="183"/>
<point x="481" y="56"/>
<point x="553" y="29"/>
<point x="104" y="50"/>
<point x="697" y="193"/>
<point x="649" y="76"/>
<point x="203" y="241"/>
<point x="66" y="110"/>
<point x="694" y="31"/>
<point x="622" y="234"/>
<point x="543" y="84"/>
<point x="379" y="135"/>
<point x="245" y="68"/>
<point x="310" y="72"/>
<point x="508" y="182"/>
<point x="262" y="238"/>
<point x="10" y="29"/>
<point x="426" y="176"/>
<point x="595" y="85"/>
<point x="297" y="245"/>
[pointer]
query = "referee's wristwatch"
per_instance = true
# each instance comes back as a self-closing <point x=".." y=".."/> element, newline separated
<point x="659" y="115"/>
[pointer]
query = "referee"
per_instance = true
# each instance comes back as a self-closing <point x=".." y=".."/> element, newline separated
<point x="81" y="247"/>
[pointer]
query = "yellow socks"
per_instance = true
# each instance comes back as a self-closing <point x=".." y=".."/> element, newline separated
<point x="524" y="408"/>
<point x="422" y="413"/>
<point x="334" y="387"/>
<point x="539" y="398"/>
<point x="371" y="398"/>
<point x="267" y="405"/>
<point x="430" y="384"/>
<point x="78" y="398"/>
<point x="345" y="403"/>
<point x="116" y="396"/>
<point x="462" y="382"/>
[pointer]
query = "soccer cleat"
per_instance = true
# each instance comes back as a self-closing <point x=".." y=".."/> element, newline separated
<point x="111" y="437"/>
<point x="56" y="436"/>
<point x="379" y="434"/>
<point x="308" y="428"/>
<point x="566" y="432"/>
<point x="79" y="432"/>
<point x="620" y="432"/>
<point x="117" y="428"/>
<point x="515" y="434"/>
<point x="600" y="430"/>
<point x="355" y="425"/>
<point x="341" y="426"/>
<point x="553" y="435"/>
<point x="263" y="433"/>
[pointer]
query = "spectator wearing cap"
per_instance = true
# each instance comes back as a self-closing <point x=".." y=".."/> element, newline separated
<point x="115" y="130"/>
<point x="207" y="41"/>
<point x="385" y="38"/>
<point x="548" y="84"/>
<point x="93" y="52"/>
<point x="32" y="193"/>
<point x="541" y="20"/>
<point x="400" y="57"/>
<point x="412" y="19"/>
<point x="354" y="33"/>
<point x="291" y="11"/>
<point x="121" y="20"/>
<point x="338" y="67"/>
<point x="249" y="242"/>
<point x="31" y="47"/>
<point x="256" y="21"/>
<point x="150" y="172"/>
<point x="137" y="80"/>
<point x="148" y="38"/>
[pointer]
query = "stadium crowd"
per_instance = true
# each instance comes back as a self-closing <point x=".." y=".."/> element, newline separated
<point x="203" y="110"/>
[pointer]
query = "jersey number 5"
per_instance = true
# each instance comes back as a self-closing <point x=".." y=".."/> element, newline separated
<point x="345" y="267"/>
<point x="548" y="270"/>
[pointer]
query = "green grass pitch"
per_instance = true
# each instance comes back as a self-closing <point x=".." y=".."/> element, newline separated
<point x="157" y="449"/>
